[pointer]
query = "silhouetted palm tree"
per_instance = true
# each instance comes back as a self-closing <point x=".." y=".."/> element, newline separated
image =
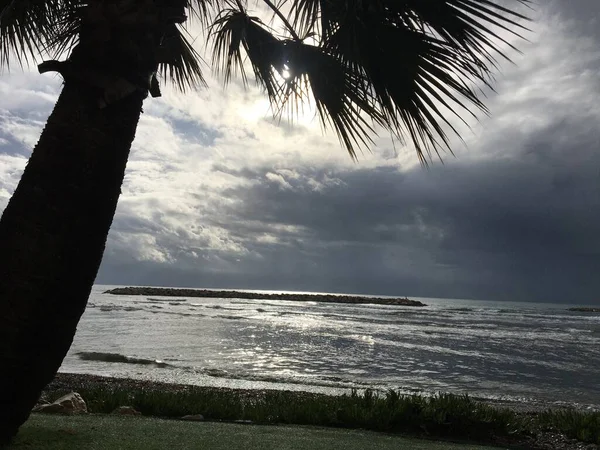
<point x="367" y="65"/>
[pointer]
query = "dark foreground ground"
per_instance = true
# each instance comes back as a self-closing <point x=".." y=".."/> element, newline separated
<point x="106" y="432"/>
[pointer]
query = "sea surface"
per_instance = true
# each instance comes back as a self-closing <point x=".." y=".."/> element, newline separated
<point x="533" y="353"/>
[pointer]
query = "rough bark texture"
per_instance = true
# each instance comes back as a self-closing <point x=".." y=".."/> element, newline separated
<point x="52" y="237"/>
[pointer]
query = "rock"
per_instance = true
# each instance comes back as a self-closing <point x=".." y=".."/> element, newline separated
<point x="41" y="402"/>
<point x="208" y="293"/>
<point x="127" y="411"/>
<point x="71" y="403"/>
<point x="193" y="417"/>
<point x="50" y="408"/>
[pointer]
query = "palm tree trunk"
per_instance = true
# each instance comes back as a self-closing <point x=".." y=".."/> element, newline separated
<point x="52" y="237"/>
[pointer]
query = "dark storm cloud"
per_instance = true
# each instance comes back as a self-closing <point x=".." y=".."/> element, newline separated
<point x="521" y="228"/>
<point x="585" y="13"/>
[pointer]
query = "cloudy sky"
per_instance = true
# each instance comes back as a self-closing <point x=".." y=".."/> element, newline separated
<point x="217" y="194"/>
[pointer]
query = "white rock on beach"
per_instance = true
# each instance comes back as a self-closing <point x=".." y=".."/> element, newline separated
<point x="71" y="403"/>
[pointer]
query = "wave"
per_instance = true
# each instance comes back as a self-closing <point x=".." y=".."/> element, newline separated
<point x="579" y="330"/>
<point x="119" y="358"/>
<point x="144" y="307"/>
<point x="224" y="308"/>
<point x="108" y="308"/>
<point x="167" y="300"/>
<point x="323" y="381"/>
<point x="172" y="313"/>
<point x="229" y="317"/>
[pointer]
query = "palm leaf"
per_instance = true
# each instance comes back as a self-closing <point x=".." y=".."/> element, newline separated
<point x="65" y="35"/>
<point x="468" y="24"/>
<point x="26" y="26"/>
<point x="233" y="30"/>
<point x="321" y="17"/>
<point x="424" y="76"/>
<point x="227" y="33"/>
<point x="441" y="50"/>
<point x="340" y="93"/>
<point x="203" y="10"/>
<point x="182" y="68"/>
<point x="305" y="14"/>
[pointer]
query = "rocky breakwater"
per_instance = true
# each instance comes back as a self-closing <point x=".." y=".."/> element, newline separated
<point x="584" y="309"/>
<point x="206" y="293"/>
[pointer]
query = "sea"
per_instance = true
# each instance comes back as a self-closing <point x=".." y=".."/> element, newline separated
<point x="529" y="353"/>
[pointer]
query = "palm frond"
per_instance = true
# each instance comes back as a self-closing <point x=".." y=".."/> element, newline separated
<point x="472" y="25"/>
<point x="227" y="33"/>
<point x="421" y="59"/>
<point x="203" y="10"/>
<point x="65" y="37"/>
<point x="321" y="17"/>
<point x="182" y="66"/>
<point x="305" y="14"/>
<point x="424" y="76"/>
<point x="234" y="30"/>
<point x="340" y="93"/>
<point x="27" y="25"/>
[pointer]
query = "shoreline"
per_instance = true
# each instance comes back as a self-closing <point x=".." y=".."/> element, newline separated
<point x="73" y="381"/>
<point x="207" y="293"/>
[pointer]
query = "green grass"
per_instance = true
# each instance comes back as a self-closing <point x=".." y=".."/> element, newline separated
<point x="442" y="416"/>
<point x="103" y="432"/>
<point x="579" y="425"/>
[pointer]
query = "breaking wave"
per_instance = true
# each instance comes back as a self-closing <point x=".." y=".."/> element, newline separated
<point x="119" y="358"/>
<point x="167" y="300"/>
